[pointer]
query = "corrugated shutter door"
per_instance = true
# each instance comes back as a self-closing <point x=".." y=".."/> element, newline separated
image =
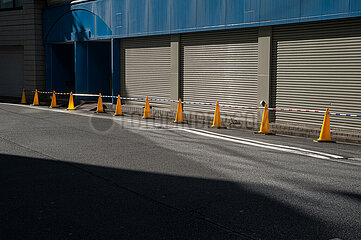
<point x="222" y="66"/>
<point x="147" y="64"/>
<point x="11" y="71"/>
<point x="318" y="65"/>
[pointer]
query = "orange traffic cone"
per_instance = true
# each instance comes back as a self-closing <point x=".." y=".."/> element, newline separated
<point x="264" y="129"/>
<point x="71" y="102"/>
<point x="179" y="115"/>
<point x="217" y="118"/>
<point x="100" y="104"/>
<point x="118" y="109"/>
<point x="23" y="97"/>
<point x="53" y="101"/>
<point x="36" y="98"/>
<point x="325" y="135"/>
<point x="147" y="109"/>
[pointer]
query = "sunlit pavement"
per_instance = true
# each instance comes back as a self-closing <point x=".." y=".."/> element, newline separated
<point x="81" y="175"/>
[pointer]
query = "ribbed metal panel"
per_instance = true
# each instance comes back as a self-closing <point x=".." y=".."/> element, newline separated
<point x="315" y="66"/>
<point x="222" y="66"/>
<point x="146" y="67"/>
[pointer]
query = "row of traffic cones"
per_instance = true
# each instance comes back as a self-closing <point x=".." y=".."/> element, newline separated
<point x="71" y="106"/>
<point x="36" y="99"/>
<point x="118" y="109"/>
<point x="179" y="115"/>
<point x="325" y="135"/>
<point x="53" y="100"/>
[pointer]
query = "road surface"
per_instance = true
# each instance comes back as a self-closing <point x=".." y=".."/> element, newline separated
<point x="80" y="175"/>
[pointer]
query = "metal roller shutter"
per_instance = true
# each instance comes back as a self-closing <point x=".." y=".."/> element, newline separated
<point x="222" y="66"/>
<point x="146" y="67"/>
<point x="11" y="71"/>
<point x="315" y="66"/>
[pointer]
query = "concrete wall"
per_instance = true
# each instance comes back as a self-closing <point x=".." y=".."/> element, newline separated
<point x="23" y="27"/>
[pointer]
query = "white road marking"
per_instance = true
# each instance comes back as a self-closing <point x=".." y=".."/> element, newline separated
<point x="284" y="148"/>
<point x="140" y="122"/>
<point x="258" y="144"/>
<point x="244" y="141"/>
<point x="263" y="144"/>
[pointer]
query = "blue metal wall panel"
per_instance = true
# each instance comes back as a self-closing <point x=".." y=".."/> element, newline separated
<point x="159" y="16"/>
<point x="103" y="9"/>
<point x="324" y="7"/>
<point x="101" y="29"/>
<point x="119" y="18"/>
<point x="61" y="29"/>
<point x="126" y="18"/>
<point x="282" y="9"/>
<point x="312" y="8"/>
<point x="78" y="25"/>
<point x="115" y="66"/>
<point x="137" y="19"/>
<point x="81" y="67"/>
<point x="211" y="13"/>
<point x="60" y="67"/>
<point x="251" y="11"/>
<point x="355" y="5"/>
<point x="99" y="67"/>
<point x="52" y="16"/>
<point x="333" y="7"/>
<point x="235" y="11"/>
<point x="83" y="21"/>
<point x="183" y="15"/>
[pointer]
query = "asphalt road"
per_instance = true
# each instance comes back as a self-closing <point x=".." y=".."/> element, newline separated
<point x="80" y="175"/>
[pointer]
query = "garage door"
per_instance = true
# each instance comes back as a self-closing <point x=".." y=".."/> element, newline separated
<point x="220" y="65"/>
<point x="316" y="66"/>
<point x="146" y="67"/>
<point x="11" y="71"/>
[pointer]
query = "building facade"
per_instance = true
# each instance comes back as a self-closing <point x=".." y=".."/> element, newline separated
<point x="289" y="53"/>
<point x="22" y="55"/>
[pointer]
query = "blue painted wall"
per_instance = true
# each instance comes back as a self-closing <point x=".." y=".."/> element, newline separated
<point x="104" y="19"/>
<point x="99" y="67"/>
<point x="92" y="67"/>
<point x="60" y="68"/>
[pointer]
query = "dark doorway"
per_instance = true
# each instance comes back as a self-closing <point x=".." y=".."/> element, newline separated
<point x="62" y="68"/>
<point x="99" y="67"/>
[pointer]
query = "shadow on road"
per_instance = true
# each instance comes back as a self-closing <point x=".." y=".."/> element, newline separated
<point x="47" y="199"/>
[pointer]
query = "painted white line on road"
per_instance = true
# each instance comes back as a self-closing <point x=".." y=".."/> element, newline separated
<point x="272" y="145"/>
<point x="284" y="148"/>
<point x="244" y="141"/>
<point x="259" y="145"/>
<point x="131" y="121"/>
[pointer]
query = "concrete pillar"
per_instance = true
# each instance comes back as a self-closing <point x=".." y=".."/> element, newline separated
<point x="264" y="66"/>
<point x="175" y="69"/>
<point x="115" y="65"/>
